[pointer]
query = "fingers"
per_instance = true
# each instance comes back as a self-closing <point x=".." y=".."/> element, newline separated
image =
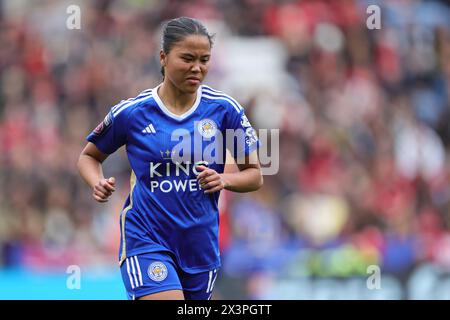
<point x="98" y="194"/>
<point x="99" y="199"/>
<point x="100" y="190"/>
<point x="103" y="189"/>
<point x="215" y="189"/>
<point x="205" y="172"/>
<point x="108" y="184"/>
<point x="210" y="181"/>
<point x="211" y="184"/>
<point x="208" y="177"/>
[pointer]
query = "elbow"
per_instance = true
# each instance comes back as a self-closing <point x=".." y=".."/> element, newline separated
<point x="81" y="162"/>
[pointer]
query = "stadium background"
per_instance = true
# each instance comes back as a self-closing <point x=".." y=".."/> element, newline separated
<point x="364" y="144"/>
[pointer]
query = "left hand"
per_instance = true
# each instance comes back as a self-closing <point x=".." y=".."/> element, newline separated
<point x="210" y="180"/>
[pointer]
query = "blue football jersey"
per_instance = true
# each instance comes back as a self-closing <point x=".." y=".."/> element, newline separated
<point x="166" y="210"/>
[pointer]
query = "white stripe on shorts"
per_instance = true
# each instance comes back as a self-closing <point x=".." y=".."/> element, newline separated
<point x="214" y="281"/>
<point x="138" y="267"/>
<point x="134" y="273"/>
<point x="129" y="274"/>
<point x="209" y="281"/>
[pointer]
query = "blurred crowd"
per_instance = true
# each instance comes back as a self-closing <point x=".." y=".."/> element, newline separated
<point x="363" y="117"/>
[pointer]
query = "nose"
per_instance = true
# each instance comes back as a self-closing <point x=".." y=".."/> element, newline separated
<point x="196" y="67"/>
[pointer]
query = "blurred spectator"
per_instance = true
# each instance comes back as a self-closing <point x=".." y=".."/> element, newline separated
<point x="363" y="119"/>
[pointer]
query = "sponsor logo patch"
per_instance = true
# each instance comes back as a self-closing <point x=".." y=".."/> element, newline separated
<point x="102" y="126"/>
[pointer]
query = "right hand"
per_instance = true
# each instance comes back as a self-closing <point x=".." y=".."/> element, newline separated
<point x="103" y="189"/>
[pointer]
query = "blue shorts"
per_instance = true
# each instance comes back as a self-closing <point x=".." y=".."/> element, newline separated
<point x="154" y="272"/>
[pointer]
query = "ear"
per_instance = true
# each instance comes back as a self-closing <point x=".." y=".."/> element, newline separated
<point x="162" y="58"/>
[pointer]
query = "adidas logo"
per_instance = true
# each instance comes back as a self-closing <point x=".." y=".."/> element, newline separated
<point x="149" y="129"/>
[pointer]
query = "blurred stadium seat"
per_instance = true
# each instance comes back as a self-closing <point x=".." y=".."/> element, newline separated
<point x="364" y="144"/>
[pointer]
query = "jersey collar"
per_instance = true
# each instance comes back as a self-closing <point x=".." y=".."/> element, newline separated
<point x="171" y="114"/>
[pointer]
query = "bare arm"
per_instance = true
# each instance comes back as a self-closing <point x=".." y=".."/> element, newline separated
<point x="248" y="178"/>
<point x="90" y="168"/>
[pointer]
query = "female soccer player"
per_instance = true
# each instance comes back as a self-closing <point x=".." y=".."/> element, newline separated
<point x="169" y="223"/>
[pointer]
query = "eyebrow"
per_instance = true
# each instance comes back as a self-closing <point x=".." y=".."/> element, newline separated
<point x="185" y="54"/>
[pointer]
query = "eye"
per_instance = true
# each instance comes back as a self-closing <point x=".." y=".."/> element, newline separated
<point x="205" y="60"/>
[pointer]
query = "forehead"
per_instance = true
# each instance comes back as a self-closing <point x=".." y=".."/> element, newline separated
<point x="197" y="44"/>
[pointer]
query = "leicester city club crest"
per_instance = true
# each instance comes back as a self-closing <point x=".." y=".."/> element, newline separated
<point x="207" y="128"/>
<point x="157" y="271"/>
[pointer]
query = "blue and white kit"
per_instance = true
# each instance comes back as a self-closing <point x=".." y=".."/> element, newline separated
<point x="168" y="224"/>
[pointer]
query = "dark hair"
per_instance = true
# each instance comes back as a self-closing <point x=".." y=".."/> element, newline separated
<point x="177" y="29"/>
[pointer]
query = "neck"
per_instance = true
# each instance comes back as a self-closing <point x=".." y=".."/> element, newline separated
<point x="175" y="100"/>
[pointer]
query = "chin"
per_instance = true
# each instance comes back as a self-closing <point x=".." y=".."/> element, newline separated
<point x="191" y="89"/>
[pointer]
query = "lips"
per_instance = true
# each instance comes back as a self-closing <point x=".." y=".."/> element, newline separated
<point x="193" y="80"/>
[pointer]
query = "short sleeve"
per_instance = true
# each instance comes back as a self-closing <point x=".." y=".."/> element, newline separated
<point x="111" y="133"/>
<point x="245" y="139"/>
